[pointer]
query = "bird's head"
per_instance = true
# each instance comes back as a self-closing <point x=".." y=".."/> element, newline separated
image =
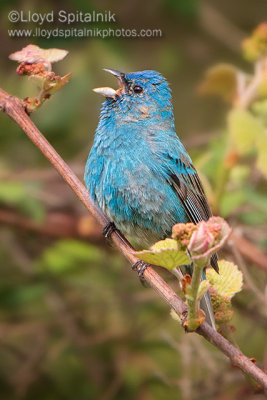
<point x="141" y="96"/>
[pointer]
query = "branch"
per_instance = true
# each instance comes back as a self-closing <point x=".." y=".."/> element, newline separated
<point x="248" y="250"/>
<point x="248" y="93"/>
<point x="13" y="107"/>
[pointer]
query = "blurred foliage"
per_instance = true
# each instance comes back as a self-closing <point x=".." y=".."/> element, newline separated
<point x="255" y="47"/>
<point x="20" y="196"/>
<point x="243" y="147"/>
<point x="220" y="80"/>
<point x="75" y="322"/>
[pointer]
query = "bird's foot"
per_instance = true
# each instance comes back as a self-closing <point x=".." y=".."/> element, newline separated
<point x="109" y="229"/>
<point x="140" y="267"/>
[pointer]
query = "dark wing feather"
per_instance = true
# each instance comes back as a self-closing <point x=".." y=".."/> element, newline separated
<point x="191" y="194"/>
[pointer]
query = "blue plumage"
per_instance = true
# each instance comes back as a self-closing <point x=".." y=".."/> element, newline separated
<point x="138" y="171"/>
<point x="134" y="152"/>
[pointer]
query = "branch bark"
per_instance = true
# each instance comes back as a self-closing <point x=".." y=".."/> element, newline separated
<point x="14" y="108"/>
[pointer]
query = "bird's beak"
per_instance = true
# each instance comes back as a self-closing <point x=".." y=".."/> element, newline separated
<point x="110" y="92"/>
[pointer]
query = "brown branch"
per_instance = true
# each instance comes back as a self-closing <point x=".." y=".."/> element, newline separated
<point x="13" y="107"/>
<point x="249" y="251"/>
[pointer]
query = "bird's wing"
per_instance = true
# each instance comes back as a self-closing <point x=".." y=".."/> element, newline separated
<point x="187" y="186"/>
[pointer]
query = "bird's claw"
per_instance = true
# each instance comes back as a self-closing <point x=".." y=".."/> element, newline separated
<point x="140" y="267"/>
<point x="109" y="229"/>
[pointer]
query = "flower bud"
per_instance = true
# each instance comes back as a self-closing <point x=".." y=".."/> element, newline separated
<point x="208" y="237"/>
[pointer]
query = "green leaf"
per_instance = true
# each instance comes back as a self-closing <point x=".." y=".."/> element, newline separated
<point x="255" y="46"/>
<point x="51" y="87"/>
<point x="165" y="253"/>
<point x="260" y="108"/>
<point x="203" y="288"/>
<point x="228" y="282"/>
<point x="175" y="316"/>
<point x="240" y="174"/>
<point x="262" y="89"/>
<point x="220" y="80"/>
<point x="262" y="154"/>
<point x="244" y="129"/>
<point x="210" y="162"/>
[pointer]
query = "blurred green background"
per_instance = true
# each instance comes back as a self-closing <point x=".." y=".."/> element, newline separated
<point x="75" y="323"/>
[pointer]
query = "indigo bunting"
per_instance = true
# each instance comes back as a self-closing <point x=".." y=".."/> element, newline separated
<point x="138" y="171"/>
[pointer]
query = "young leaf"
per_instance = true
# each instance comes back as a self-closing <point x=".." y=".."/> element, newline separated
<point x="32" y="54"/>
<point x="165" y="253"/>
<point x="202" y="289"/>
<point x="262" y="88"/>
<point x="52" y="86"/>
<point x="220" y="80"/>
<point x="255" y="46"/>
<point x="262" y="154"/>
<point x="245" y="130"/>
<point x="260" y="109"/>
<point x="228" y="282"/>
<point x="175" y="316"/>
<point x="231" y="201"/>
<point x="54" y="55"/>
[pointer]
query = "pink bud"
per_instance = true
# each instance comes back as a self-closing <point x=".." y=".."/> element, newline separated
<point x="208" y="237"/>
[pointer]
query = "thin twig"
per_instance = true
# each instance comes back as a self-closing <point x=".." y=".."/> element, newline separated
<point x="261" y="298"/>
<point x="13" y="107"/>
<point x="219" y="27"/>
<point x="248" y="250"/>
<point x="251" y="91"/>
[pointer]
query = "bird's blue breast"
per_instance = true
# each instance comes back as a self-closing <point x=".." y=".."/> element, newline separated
<point x="127" y="174"/>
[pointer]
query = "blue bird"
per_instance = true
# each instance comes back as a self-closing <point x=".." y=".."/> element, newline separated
<point x="138" y="172"/>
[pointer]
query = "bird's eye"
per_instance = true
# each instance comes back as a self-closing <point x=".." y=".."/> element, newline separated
<point x="137" y="89"/>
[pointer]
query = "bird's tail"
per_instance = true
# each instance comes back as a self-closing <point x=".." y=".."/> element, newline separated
<point x="206" y="306"/>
